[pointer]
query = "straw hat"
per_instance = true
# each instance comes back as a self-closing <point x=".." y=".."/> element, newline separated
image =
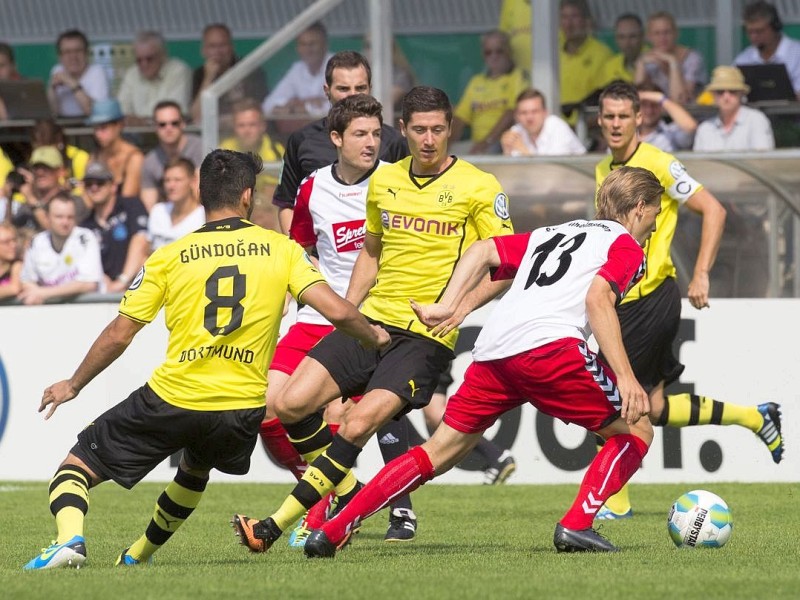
<point x="727" y="78"/>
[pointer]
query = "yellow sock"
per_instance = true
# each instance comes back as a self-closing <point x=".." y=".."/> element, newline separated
<point x="173" y="507"/>
<point x="311" y="446"/>
<point x="685" y="410"/>
<point x="322" y="476"/>
<point x="619" y="503"/>
<point x="69" y="501"/>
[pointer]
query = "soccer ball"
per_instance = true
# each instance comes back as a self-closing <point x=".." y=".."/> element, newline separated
<point x="700" y="518"/>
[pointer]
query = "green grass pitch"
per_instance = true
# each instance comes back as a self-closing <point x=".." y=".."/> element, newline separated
<point x="472" y="542"/>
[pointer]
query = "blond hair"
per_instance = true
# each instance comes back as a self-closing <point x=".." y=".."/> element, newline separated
<point x="622" y="190"/>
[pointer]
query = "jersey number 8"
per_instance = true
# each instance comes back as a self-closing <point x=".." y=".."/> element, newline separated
<point x="233" y="302"/>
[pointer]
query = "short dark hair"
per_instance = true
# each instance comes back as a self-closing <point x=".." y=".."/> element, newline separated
<point x="7" y="51"/>
<point x="221" y="26"/>
<point x="184" y="163"/>
<point x="62" y="196"/>
<point x="629" y="17"/>
<point x="347" y="59"/>
<point x="530" y="94"/>
<point x="581" y="5"/>
<point x="762" y="10"/>
<point x="72" y="34"/>
<point x="359" y="105"/>
<point x="225" y="175"/>
<point x="168" y="104"/>
<point x="621" y="90"/>
<point x="424" y="98"/>
<point x="317" y="27"/>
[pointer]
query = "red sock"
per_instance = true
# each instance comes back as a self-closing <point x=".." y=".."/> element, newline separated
<point x="318" y="513"/>
<point x="280" y="449"/>
<point x="400" y="477"/>
<point x="613" y="466"/>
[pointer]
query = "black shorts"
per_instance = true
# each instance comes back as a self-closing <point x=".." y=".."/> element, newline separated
<point x="130" y="439"/>
<point x="649" y="327"/>
<point x="410" y="367"/>
<point x="445" y="380"/>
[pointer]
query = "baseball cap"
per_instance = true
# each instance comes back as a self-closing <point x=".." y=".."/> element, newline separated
<point x="49" y="156"/>
<point x="98" y="171"/>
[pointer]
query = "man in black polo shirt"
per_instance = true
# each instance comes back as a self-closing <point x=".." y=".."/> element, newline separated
<point x="120" y="225"/>
<point x="346" y="73"/>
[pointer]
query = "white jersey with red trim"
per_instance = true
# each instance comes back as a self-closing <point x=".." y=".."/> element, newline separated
<point x="552" y="268"/>
<point x="330" y="215"/>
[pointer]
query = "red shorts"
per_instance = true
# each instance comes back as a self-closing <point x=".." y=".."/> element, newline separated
<point x="293" y="347"/>
<point x="563" y="379"/>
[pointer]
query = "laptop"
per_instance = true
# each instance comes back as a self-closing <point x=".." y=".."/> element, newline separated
<point x="25" y="99"/>
<point x="768" y="83"/>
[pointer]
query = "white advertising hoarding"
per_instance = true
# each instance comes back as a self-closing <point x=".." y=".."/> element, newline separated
<point x="741" y="351"/>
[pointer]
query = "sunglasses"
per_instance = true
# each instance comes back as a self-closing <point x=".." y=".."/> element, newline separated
<point x="90" y="183"/>
<point x="163" y="124"/>
<point x="721" y="92"/>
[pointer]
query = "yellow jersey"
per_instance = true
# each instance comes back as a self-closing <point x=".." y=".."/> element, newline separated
<point x="615" y="69"/>
<point x="6" y="166"/>
<point x="426" y="225"/>
<point x="582" y="73"/>
<point x="223" y="289"/>
<point x="486" y="99"/>
<point x="679" y="187"/>
<point x="515" y="20"/>
<point x="270" y="151"/>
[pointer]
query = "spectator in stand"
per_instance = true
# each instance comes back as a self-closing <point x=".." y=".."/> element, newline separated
<point x="678" y="134"/>
<point x="250" y="135"/>
<point x="43" y="182"/>
<point x="300" y="90"/>
<point x="75" y="85"/>
<point x="123" y="159"/>
<point x="678" y="70"/>
<point x="8" y="64"/>
<point x="47" y="132"/>
<point x="768" y="44"/>
<point x="120" y="225"/>
<point x="182" y="212"/>
<point x="10" y="264"/>
<point x="736" y="127"/>
<point x="629" y="37"/>
<point x="487" y="105"/>
<point x="173" y="141"/>
<point x="582" y="56"/>
<point x="537" y="132"/>
<point x="64" y="260"/>
<point x="154" y="78"/>
<point x="515" y="21"/>
<point x="8" y="72"/>
<point x="218" y="57"/>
